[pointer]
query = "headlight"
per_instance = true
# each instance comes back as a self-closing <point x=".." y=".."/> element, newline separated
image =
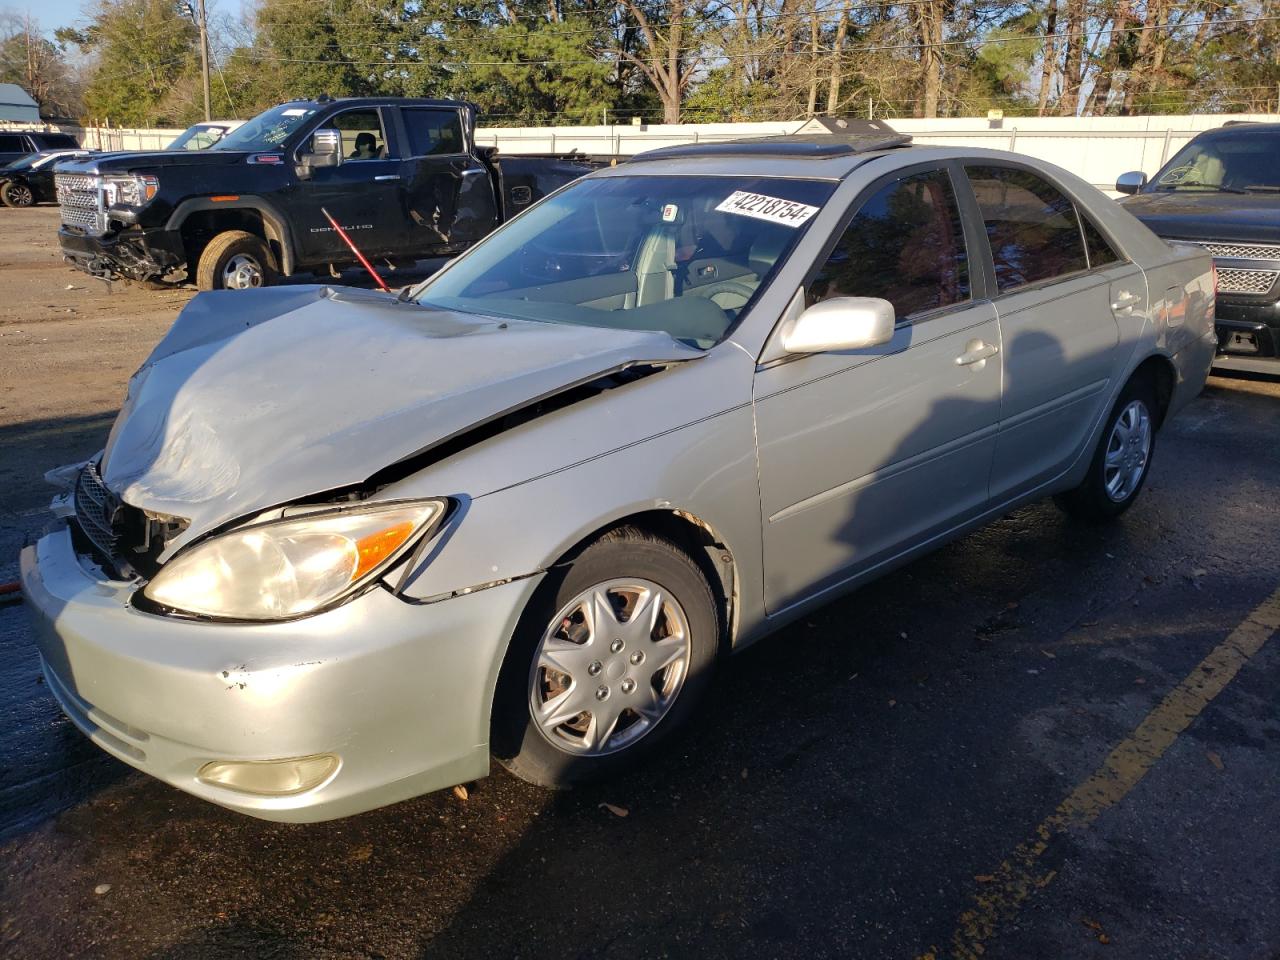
<point x="291" y="568"/>
<point x="130" y="191"/>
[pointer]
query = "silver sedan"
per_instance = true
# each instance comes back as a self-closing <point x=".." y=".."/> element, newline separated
<point x="342" y="548"/>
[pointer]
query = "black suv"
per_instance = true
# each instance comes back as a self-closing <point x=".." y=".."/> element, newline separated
<point x="1222" y="191"/>
<point x="402" y="177"/>
<point x="18" y="144"/>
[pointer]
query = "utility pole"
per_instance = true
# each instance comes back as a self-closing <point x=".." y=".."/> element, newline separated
<point x="204" y="55"/>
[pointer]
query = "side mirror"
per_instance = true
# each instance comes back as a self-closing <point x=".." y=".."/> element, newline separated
<point x="841" y="323"/>
<point x="326" y="151"/>
<point x="1131" y="182"/>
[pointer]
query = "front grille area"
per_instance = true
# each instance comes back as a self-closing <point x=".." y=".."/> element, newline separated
<point x="1233" y="280"/>
<point x="97" y="513"/>
<point x="123" y="539"/>
<point x="81" y="202"/>
<point x="1244" y="251"/>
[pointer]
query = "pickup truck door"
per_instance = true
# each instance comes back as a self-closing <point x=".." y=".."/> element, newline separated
<point x="865" y="454"/>
<point x="362" y="192"/>
<point x="447" y="192"/>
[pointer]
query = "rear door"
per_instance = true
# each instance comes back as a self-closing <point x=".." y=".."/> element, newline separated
<point x="447" y="192"/>
<point x="362" y="193"/>
<point x="866" y="453"/>
<point x="1057" y="321"/>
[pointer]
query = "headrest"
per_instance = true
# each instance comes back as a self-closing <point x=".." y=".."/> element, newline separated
<point x="765" y="250"/>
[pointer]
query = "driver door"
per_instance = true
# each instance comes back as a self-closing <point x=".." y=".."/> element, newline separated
<point x="867" y="453"/>
<point x="362" y="192"/>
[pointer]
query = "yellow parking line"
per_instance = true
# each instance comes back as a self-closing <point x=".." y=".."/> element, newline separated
<point x="1020" y="875"/>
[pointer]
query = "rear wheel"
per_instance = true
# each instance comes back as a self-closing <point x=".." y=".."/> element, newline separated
<point x="1122" y="458"/>
<point x="17" y="195"/>
<point x="235" y="260"/>
<point x="607" y="663"/>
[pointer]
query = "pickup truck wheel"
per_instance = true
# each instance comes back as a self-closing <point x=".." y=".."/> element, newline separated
<point x="235" y="260"/>
<point x="1121" y="460"/>
<point x="610" y="659"/>
<point x="17" y="195"/>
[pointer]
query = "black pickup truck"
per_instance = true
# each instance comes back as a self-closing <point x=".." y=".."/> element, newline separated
<point x="403" y="178"/>
<point x="1222" y="191"/>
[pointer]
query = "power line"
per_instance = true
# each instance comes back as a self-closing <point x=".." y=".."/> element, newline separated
<point x="612" y="14"/>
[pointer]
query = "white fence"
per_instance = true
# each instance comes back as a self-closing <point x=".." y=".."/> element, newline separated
<point x="1095" y="148"/>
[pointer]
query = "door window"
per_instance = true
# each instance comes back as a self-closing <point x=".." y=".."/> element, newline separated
<point x="904" y="245"/>
<point x="1032" y="226"/>
<point x="1101" y="252"/>
<point x="362" y="136"/>
<point x="11" y="144"/>
<point x="433" y="132"/>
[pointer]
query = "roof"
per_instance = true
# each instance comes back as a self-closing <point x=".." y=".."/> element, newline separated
<point x="324" y="101"/>
<point x="819" y="139"/>
<point x="1240" y="128"/>
<point x="16" y="104"/>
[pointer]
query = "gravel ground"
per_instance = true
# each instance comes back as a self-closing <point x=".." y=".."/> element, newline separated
<point x="1025" y="745"/>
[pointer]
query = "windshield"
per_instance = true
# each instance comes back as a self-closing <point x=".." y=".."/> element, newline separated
<point x="680" y="254"/>
<point x="267" y="130"/>
<point x="1243" y="160"/>
<point x="198" y="137"/>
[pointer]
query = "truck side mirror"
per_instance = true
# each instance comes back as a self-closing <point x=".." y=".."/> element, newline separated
<point x="1131" y="182"/>
<point x="326" y="151"/>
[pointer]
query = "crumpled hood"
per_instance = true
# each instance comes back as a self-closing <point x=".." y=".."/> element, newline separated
<point x="259" y="398"/>
<point x="1192" y="215"/>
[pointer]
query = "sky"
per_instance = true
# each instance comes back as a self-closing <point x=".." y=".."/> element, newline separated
<point x="51" y="14"/>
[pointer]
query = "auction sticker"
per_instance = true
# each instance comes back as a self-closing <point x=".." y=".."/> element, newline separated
<point x="789" y="213"/>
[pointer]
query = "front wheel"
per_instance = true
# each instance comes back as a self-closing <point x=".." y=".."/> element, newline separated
<point x="607" y="663"/>
<point x="1121" y="460"/>
<point x="235" y="260"/>
<point x="17" y="195"/>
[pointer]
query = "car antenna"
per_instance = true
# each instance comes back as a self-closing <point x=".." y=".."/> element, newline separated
<point x="356" y="250"/>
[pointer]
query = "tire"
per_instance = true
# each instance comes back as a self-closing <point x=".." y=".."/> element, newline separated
<point x="235" y="260"/>
<point x="17" y="195"/>
<point x="617" y="668"/>
<point x="1122" y="459"/>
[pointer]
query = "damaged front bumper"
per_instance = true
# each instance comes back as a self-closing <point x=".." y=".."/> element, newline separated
<point x="399" y="693"/>
<point x="133" y="253"/>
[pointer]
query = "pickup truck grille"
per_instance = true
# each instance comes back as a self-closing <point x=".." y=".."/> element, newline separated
<point x="1233" y="280"/>
<point x="80" y="197"/>
<point x="1244" y="251"/>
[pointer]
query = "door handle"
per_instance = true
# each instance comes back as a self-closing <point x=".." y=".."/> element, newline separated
<point x="1126" y="302"/>
<point x="976" y="352"/>
<point x="388" y="176"/>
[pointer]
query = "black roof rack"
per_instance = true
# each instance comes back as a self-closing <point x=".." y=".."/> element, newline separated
<point x="819" y="139"/>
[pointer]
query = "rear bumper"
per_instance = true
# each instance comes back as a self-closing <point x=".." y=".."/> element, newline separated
<point x="133" y="253"/>
<point x="400" y="692"/>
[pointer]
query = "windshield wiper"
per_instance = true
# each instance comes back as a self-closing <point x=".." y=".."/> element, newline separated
<point x="1211" y="186"/>
<point x="1263" y="188"/>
